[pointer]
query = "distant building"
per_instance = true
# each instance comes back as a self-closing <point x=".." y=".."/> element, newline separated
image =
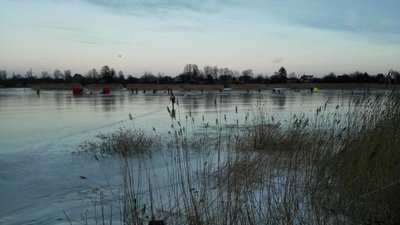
<point x="306" y="78"/>
<point x="392" y="77"/>
<point x="178" y="79"/>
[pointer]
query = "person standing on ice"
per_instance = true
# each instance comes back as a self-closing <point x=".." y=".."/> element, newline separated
<point x="172" y="99"/>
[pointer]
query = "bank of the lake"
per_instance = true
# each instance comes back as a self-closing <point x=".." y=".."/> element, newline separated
<point x="204" y="87"/>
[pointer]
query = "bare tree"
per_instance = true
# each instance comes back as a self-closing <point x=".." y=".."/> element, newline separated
<point x="45" y="74"/>
<point x="148" y="77"/>
<point x="121" y="76"/>
<point x="191" y="73"/>
<point x="67" y="75"/>
<point x="57" y="74"/>
<point x="29" y="73"/>
<point x="248" y="72"/>
<point x="95" y="74"/>
<point x="3" y="75"/>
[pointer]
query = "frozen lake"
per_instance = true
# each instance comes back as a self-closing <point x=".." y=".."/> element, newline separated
<point x="40" y="177"/>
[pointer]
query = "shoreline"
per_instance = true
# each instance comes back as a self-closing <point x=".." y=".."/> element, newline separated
<point x="205" y="87"/>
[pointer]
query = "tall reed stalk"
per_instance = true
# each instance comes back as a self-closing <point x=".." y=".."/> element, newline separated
<point x="340" y="166"/>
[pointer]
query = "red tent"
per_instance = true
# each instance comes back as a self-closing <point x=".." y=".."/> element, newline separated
<point x="77" y="90"/>
<point x="106" y="90"/>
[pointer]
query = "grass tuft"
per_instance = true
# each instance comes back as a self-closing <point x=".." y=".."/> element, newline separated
<point x="124" y="142"/>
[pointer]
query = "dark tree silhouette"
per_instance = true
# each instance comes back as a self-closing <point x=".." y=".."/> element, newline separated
<point x="280" y="76"/>
<point x="148" y="78"/>
<point x="132" y="79"/>
<point x="57" y="74"/>
<point x="190" y="73"/>
<point x="67" y="75"/>
<point x="108" y="74"/>
<point x="3" y="75"/>
<point x="330" y="78"/>
<point x="259" y="79"/>
<point x="282" y="72"/>
<point x="247" y="76"/>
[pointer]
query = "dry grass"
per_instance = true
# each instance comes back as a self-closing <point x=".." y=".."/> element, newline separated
<point x="368" y="165"/>
<point x="124" y="142"/>
<point x="339" y="167"/>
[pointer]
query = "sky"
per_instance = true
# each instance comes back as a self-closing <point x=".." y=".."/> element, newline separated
<point x="305" y="36"/>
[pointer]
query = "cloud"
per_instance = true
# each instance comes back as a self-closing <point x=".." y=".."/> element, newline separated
<point x="59" y="26"/>
<point x="87" y="42"/>
<point x="386" y="24"/>
<point x="351" y="19"/>
<point x="327" y="24"/>
<point x="367" y="21"/>
<point x="96" y="41"/>
<point x="179" y="28"/>
<point x="159" y="7"/>
<point x="76" y="34"/>
<point x="278" y="60"/>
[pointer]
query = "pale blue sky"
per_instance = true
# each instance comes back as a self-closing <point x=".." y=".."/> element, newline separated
<point x="305" y="36"/>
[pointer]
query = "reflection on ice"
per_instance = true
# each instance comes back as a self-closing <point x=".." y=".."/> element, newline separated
<point x="40" y="177"/>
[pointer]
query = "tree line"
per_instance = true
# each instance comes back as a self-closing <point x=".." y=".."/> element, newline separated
<point x="194" y="75"/>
